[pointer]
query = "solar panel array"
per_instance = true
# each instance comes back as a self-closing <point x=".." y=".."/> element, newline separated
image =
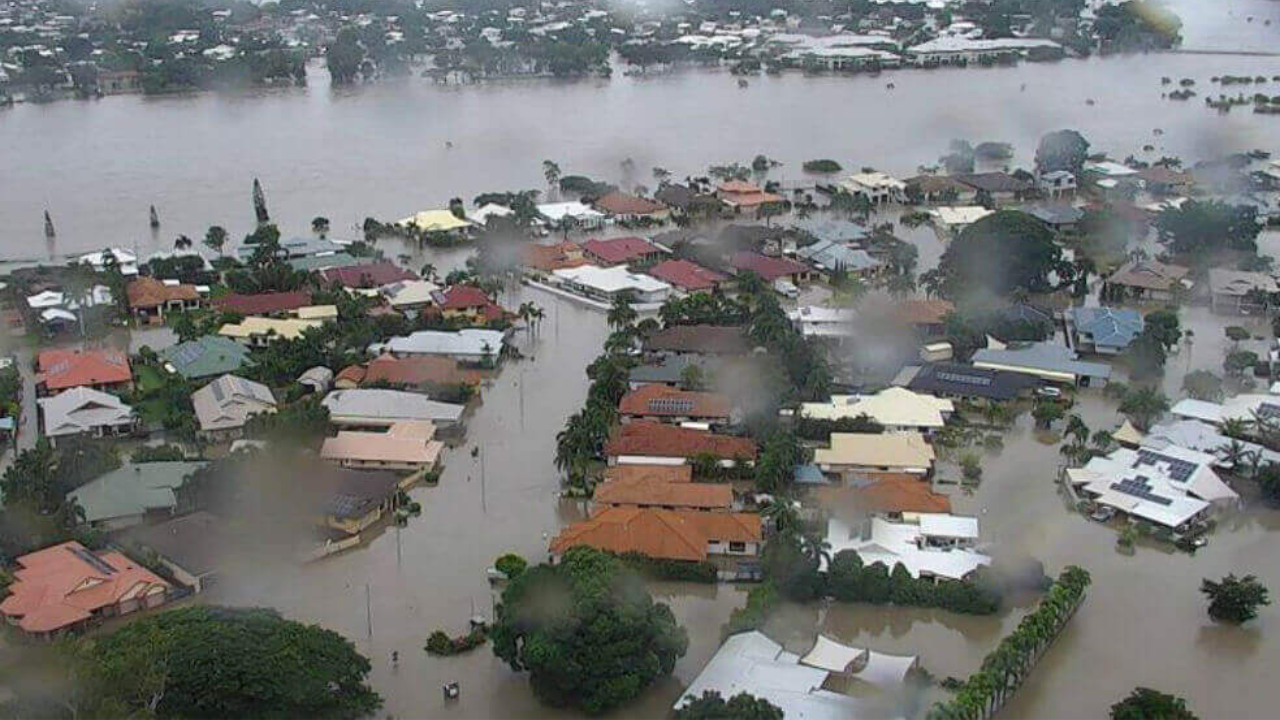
<point x="93" y="561"/>
<point x="1179" y="470"/>
<point x="188" y="353"/>
<point x="1139" y="487"/>
<point x="346" y="505"/>
<point x="671" y="406"/>
<point x="217" y="391"/>
<point x="977" y="380"/>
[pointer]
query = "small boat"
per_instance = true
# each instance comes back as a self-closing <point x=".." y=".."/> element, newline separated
<point x="155" y="218"/>
<point x="1089" y="102"/>
<point x="742" y="83"/>
<point x="48" y="225"/>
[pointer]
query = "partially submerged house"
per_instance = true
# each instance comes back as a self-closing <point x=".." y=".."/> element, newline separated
<point x="192" y="547"/>
<point x="605" y="284"/>
<point x="132" y="494"/>
<point x="699" y="340"/>
<point x="224" y="406"/>
<point x="876" y="187"/>
<point x="1239" y="292"/>
<point x="413" y="371"/>
<point x="661" y="403"/>
<point x="650" y="443"/>
<point x="352" y="500"/>
<point x="471" y="345"/>
<point x="408" y="446"/>
<point x="1103" y="330"/>
<point x="1145" y="281"/>
<point x="1047" y="361"/>
<point x="770" y="269"/>
<point x="686" y="276"/>
<point x="953" y="380"/>
<point x="934" y="546"/>
<point x="897" y="409"/>
<point x="274" y="304"/>
<point x="630" y="208"/>
<point x="380" y="408"/>
<point x="835" y="324"/>
<point x="858" y="456"/>
<point x="1173" y="487"/>
<point x="678" y="495"/>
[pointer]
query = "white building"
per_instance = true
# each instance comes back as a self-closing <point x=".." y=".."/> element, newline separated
<point x="823" y="322"/>
<point x="125" y="260"/>
<point x="1172" y="487"/>
<point x="472" y="345"/>
<point x="937" y="545"/>
<point x="948" y="50"/>
<point x="379" y="408"/>
<point x="575" y="214"/>
<point x="607" y="283"/>
<point x="897" y="409"/>
<point x="877" y="187"/>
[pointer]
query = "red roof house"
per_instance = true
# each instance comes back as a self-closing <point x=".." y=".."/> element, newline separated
<point x="644" y="439"/>
<point x="367" y="276"/>
<point x="273" y="303"/>
<point x="659" y="402"/>
<point x="688" y="276"/>
<point x="769" y="268"/>
<point x="58" y="370"/>
<point x="625" y="205"/>
<point x="620" y="251"/>
<point x="687" y="535"/>
<point x="468" y="300"/>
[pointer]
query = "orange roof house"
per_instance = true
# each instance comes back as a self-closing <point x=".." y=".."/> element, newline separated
<point x="58" y="370"/>
<point x="64" y="586"/>
<point x="650" y="473"/>
<point x="742" y="194"/>
<point x="554" y="257"/>
<point x="669" y="496"/>
<point x="411" y="371"/>
<point x="643" y="439"/>
<point x="890" y="493"/>
<point x="660" y="534"/>
<point x="924" y="313"/>
<point x="661" y="402"/>
<point x="470" y="301"/>
<point x="148" y="293"/>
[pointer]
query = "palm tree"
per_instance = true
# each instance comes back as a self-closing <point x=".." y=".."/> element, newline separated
<point x="215" y="238"/>
<point x="182" y="243"/>
<point x="1233" y="454"/>
<point x="1077" y="429"/>
<point x="621" y="313"/>
<point x="1144" y="405"/>
<point x="78" y="288"/>
<point x="551" y="172"/>
<point x="783" y="513"/>
<point x="1235" y="427"/>
<point x="428" y="272"/>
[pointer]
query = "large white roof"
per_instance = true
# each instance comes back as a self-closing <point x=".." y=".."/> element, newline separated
<point x="894" y="407"/>
<point x="1167" y="485"/>
<point x="558" y="211"/>
<point x="611" y="280"/>
<point x="892" y="543"/>
<point x="388" y="406"/>
<point x="468" y="342"/>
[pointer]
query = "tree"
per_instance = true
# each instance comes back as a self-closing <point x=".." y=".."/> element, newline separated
<point x="1046" y="412"/>
<point x="1147" y="355"/>
<point x="215" y="238"/>
<point x="587" y="632"/>
<point x="1237" y="362"/>
<point x="260" y="204"/>
<point x="1062" y="150"/>
<point x="1203" y="385"/>
<point x="1268" y="479"/>
<point x="1236" y="334"/>
<point x="1143" y="405"/>
<point x="742" y="706"/>
<point x="344" y="56"/>
<point x="511" y="565"/>
<point x="320" y="225"/>
<point x="551" y="172"/>
<point x="1164" y="327"/>
<point x="1199" y="228"/>
<point x="1147" y="704"/>
<point x="205" y="661"/>
<point x="1235" y="600"/>
<point x="621" y="314"/>
<point x="1002" y="253"/>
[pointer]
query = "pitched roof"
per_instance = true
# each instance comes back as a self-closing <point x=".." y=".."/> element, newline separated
<point x="620" y="203"/>
<point x="620" y="250"/>
<point x="81" y="409"/>
<point x="640" y="492"/>
<point x="196" y="543"/>
<point x="343" y="493"/>
<point x="388" y="406"/>
<point x="768" y="268"/>
<point x="924" y="312"/>
<point x="264" y="303"/>
<point x="228" y="402"/>
<point x="701" y="339"/>
<point x="403" y="442"/>
<point x="61" y="369"/>
<point x="889" y="450"/>
<point x="469" y="298"/>
<point x="669" y="369"/>
<point x="64" y="584"/>
<point x="686" y="275"/>
<point x="206" y="356"/>
<point x="1045" y="359"/>
<point x="650" y="473"/>
<point x="1109" y="327"/>
<point x="649" y="438"/>
<point x="969" y="381"/>
<point x="554" y="257"/>
<point x="286" y="328"/>
<point x="413" y="370"/>
<point x="132" y="489"/>
<point x="366" y="276"/>
<point x="1148" y="274"/>
<point x="147" y="292"/>
<point x="886" y="493"/>
<point x="662" y="534"/>
<point x="893" y="407"/>
<point x="662" y="401"/>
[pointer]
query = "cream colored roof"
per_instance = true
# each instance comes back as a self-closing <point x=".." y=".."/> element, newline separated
<point x="404" y="442"/>
<point x="1127" y="434"/>
<point x="960" y="214"/>
<point x="317" y="312"/>
<point x="894" y="450"/>
<point x="436" y="220"/>
<point x="288" y="328"/>
<point x="894" y="406"/>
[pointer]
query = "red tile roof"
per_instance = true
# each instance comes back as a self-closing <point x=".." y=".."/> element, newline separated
<point x="366" y="276"/>
<point x="701" y="339"/>
<point x="650" y="438"/>
<point x="554" y="257"/>
<point x="768" y="268"/>
<point x="146" y="292"/>
<point x="264" y="303"/>
<point x="662" y="534"/>
<point x="62" y="369"/>
<point x="658" y="400"/>
<point x="650" y="473"/>
<point x="686" y="275"/>
<point x="887" y="493"/>
<point x="642" y="493"/>
<point x="64" y="584"/>
<point x="469" y="298"/>
<point x="620" y="203"/>
<point x="620" y="250"/>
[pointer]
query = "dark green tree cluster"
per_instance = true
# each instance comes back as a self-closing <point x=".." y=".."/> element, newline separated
<point x="1062" y="150"/>
<point x="743" y="706"/>
<point x="587" y="632"/>
<point x="1147" y="704"/>
<point x="703" y="309"/>
<point x="849" y="580"/>
<point x="1235" y="599"/>
<point x="820" y="429"/>
<point x="1005" y="668"/>
<point x="304" y="423"/>
<point x="775" y="466"/>
<point x="1137" y="25"/>
<point x="37" y="512"/>
<point x="1199" y="229"/>
<point x="1004" y="252"/>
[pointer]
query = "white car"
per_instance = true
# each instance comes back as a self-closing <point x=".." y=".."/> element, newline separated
<point x="1049" y="392"/>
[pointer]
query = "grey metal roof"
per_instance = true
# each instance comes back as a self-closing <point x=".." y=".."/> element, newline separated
<point x="1047" y="356"/>
<point x="835" y="255"/>
<point x="377" y="404"/>
<point x="1109" y="327"/>
<point x="968" y="381"/>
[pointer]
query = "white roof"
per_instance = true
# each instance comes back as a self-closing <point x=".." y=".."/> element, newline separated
<point x="1110" y="169"/>
<point x="820" y="314"/>
<point x="379" y="406"/>
<point x="1210" y="412"/>
<point x="611" y="280"/>
<point x="576" y="210"/>
<point x="488" y="210"/>
<point x="944" y="525"/>
<point x="894" y="407"/>
<point x="891" y="543"/>
<point x="876" y="668"/>
<point x="46" y="299"/>
<point x="1168" y="485"/>
<point x="959" y="214"/>
<point x="409" y="292"/>
<point x="81" y="409"/>
<point x="874" y="180"/>
<point x="468" y="342"/>
<point x="52" y="314"/>
<point x="955" y="43"/>
<point x="900" y="451"/>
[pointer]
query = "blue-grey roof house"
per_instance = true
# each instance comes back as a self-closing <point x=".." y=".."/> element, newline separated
<point x="832" y="256"/>
<point x="1104" y="330"/>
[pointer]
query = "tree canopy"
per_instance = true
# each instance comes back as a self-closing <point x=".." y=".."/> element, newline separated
<point x="1199" y="228"/>
<point x="1235" y="599"/>
<point x="587" y="632"/>
<point x="1003" y="252"/>
<point x="743" y="706"/>
<point x="1147" y="704"/>
<point x="1062" y="150"/>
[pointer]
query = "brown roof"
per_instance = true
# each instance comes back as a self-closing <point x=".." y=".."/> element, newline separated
<point x="61" y="369"/>
<point x="924" y="312"/>
<point x="931" y="184"/>
<point x="703" y="339"/>
<point x="554" y="257"/>
<point x="264" y="303"/>
<point x="650" y="473"/>
<point x="146" y="292"/>
<point x="367" y="276"/>
<point x="650" y="438"/>
<point x="887" y="492"/>
<point x="661" y="401"/>
<point x="620" y="203"/>
<point x="418" y="370"/>
<point x="702" y="496"/>
<point x="662" y="534"/>
<point x="1148" y="274"/>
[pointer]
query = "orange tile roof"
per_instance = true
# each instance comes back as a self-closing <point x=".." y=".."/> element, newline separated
<point x="620" y="203"/>
<point x="418" y="370"/>
<point x="661" y="401"/>
<point x="924" y="312"/>
<point x="650" y="473"/>
<point x="62" y="369"/>
<point x="705" y="496"/>
<point x="64" y="584"/>
<point x="554" y="257"/>
<point x="147" y="292"/>
<point x="649" y="438"/>
<point x="888" y="492"/>
<point x="662" y="534"/>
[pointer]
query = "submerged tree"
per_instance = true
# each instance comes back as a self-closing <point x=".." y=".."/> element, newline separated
<point x="1147" y="704"/>
<point x="1235" y="600"/>
<point x="260" y="203"/>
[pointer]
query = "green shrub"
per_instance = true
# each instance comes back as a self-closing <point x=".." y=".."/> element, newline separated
<point x="511" y="565"/>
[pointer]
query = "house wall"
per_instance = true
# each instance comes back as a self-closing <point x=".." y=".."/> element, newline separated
<point x="358" y="464"/>
<point x="353" y="526"/>
<point x="717" y="547"/>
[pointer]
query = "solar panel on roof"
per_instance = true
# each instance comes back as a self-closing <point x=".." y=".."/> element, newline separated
<point x="964" y="379"/>
<point x="217" y="391"/>
<point x="670" y="405"/>
<point x="1138" y="487"/>
<point x="93" y="561"/>
<point x="1179" y="470"/>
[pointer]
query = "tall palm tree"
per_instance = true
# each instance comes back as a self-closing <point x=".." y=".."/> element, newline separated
<point x="621" y="313"/>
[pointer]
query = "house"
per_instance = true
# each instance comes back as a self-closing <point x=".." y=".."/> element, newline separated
<point x="940" y="188"/>
<point x="149" y="298"/>
<point x="1001" y="187"/>
<point x="770" y="269"/>
<point x="686" y="276"/>
<point x="443" y="221"/>
<point x="1145" y="280"/>
<point x="1239" y="292"/>
<point x="621" y="251"/>
<point x="67" y="587"/>
<point x="1245" y="407"/>
<point x="699" y="340"/>
<point x="1164" y="181"/>
<point x="262" y="331"/>
<point x="85" y="411"/>
<point x="471" y="345"/>
<point x="352" y="500"/>
<point x="316" y="379"/>
<point x="683" y="199"/>
<point x="831" y="256"/>
<point x="380" y="408"/>
<point x="604" y="284"/>
<point x="738" y="195"/>
<point x="415" y="371"/>
<point x="650" y="443"/>
<point x="954" y="380"/>
<point x="630" y="208"/>
<point x="410" y="294"/>
<point x="124" y="260"/>
<point x="661" y="403"/>
<point x="1205" y="438"/>
<point x="831" y="230"/>
<point x="824" y="322"/>
<point x="571" y="215"/>
<point x="546" y="258"/>
<point x="372" y="275"/>
<point x="856" y="456"/>
<point x="408" y="446"/>
<point x="927" y="317"/>
<point x="876" y="187"/>
<point x="935" y="546"/>
<point x="643" y="493"/>
<point x="480" y="216"/>
<point x="1103" y="330"/>
<point x="205" y="357"/>
<point x="1044" y="360"/>
<point x="730" y="541"/>
<point x="1056" y="183"/>
<point x="951" y="220"/>
<point x="809" y="687"/>
<point x="651" y="474"/>
<point x="962" y="50"/>
<point x="226" y="404"/>
<point x="1059" y="218"/>
<point x="1173" y="487"/>
<point x="897" y="409"/>
<point x="192" y="547"/>
<point x="468" y="303"/>
<point x="672" y="371"/>
<point x="266" y="304"/>
<point x="895" y="496"/>
<point x="132" y="494"/>
<point x="294" y="248"/>
<point x="64" y="369"/>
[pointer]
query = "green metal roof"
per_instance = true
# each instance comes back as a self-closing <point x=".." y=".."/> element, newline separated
<point x="132" y="489"/>
<point x="207" y="356"/>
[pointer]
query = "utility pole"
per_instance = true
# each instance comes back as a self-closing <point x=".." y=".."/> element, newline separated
<point x="484" y="507"/>
<point x="368" y="611"/>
